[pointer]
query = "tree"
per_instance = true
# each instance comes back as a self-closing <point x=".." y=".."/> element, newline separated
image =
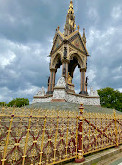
<point x="18" y="102"/>
<point x="3" y="104"/>
<point x="110" y="98"/>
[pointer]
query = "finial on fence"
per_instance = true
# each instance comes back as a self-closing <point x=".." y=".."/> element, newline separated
<point x="81" y="108"/>
<point x="114" y="111"/>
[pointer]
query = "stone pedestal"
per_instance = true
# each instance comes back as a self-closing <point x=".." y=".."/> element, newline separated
<point x="66" y="93"/>
<point x="59" y="93"/>
<point x="70" y="88"/>
<point x="83" y="93"/>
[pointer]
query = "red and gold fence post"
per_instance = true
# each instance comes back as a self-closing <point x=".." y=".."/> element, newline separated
<point x="80" y="157"/>
<point x="116" y="132"/>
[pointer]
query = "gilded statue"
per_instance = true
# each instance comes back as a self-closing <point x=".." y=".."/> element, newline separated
<point x="69" y="79"/>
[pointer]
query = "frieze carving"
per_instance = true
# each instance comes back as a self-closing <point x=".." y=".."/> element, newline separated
<point x="56" y="43"/>
<point x="71" y="98"/>
<point x="65" y="52"/>
<point x="93" y="92"/>
<point x="41" y="92"/>
<point x="70" y="49"/>
<point x="61" y="82"/>
<point x="78" y="44"/>
<point x="61" y="49"/>
<point x="59" y="94"/>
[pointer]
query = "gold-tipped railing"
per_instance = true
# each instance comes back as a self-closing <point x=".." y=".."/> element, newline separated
<point x="35" y="136"/>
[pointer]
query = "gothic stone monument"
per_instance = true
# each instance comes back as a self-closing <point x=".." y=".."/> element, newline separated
<point x="68" y="50"/>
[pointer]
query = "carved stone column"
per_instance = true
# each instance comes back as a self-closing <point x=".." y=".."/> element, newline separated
<point x="83" y="84"/>
<point x="53" y="78"/>
<point x="51" y="81"/>
<point x="48" y="83"/>
<point x="86" y="84"/>
<point x="65" y="64"/>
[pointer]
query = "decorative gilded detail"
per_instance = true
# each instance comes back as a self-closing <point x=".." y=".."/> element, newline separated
<point x="61" y="49"/>
<point x="69" y="79"/>
<point x="77" y="43"/>
<point x="70" y="49"/>
<point x="46" y="136"/>
<point x="70" y="25"/>
<point x="57" y="43"/>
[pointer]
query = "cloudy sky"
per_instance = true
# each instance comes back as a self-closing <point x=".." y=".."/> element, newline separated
<point x="27" y="28"/>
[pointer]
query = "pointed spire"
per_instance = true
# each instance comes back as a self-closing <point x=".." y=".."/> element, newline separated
<point x="58" y="28"/>
<point x="70" y="25"/>
<point x="71" y="10"/>
<point x="78" y="27"/>
<point x="83" y="32"/>
<point x="84" y="36"/>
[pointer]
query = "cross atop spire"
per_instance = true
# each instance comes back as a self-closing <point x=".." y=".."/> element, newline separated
<point x="70" y="25"/>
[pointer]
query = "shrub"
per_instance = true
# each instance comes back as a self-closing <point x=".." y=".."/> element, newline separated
<point x="110" y="98"/>
<point x="18" y="102"/>
<point x="3" y="104"/>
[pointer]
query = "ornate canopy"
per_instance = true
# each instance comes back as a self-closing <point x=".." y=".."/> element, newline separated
<point x="68" y="50"/>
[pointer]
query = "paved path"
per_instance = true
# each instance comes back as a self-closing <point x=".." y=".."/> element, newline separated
<point x="118" y="160"/>
<point x="112" y="156"/>
<point x="113" y="160"/>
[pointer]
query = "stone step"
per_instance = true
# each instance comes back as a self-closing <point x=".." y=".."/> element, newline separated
<point x="72" y="107"/>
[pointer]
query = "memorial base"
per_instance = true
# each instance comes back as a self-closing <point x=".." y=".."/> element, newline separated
<point x="65" y="93"/>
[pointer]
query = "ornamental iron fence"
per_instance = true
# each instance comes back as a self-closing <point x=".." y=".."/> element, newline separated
<point x="39" y="137"/>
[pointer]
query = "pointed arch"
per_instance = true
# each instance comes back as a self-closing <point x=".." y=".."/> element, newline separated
<point x="75" y="55"/>
<point x="56" y="60"/>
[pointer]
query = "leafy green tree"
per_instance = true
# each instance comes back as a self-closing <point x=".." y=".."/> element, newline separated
<point x="110" y="98"/>
<point x="18" y="102"/>
<point x="3" y="104"/>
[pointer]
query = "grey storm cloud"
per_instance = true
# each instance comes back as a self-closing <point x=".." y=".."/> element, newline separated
<point x="27" y="29"/>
